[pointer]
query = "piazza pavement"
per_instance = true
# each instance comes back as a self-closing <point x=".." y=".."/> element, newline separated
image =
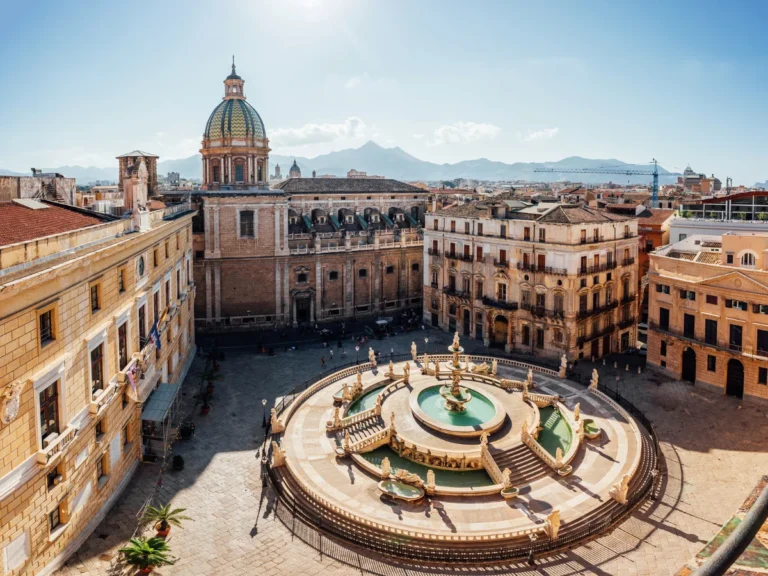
<point x="712" y="446"/>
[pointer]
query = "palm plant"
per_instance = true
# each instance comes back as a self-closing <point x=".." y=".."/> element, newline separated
<point x="164" y="516"/>
<point x="146" y="554"/>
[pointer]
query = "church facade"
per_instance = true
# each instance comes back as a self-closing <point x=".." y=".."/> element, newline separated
<point x="302" y="249"/>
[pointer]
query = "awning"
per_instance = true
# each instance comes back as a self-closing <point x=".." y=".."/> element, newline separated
<point x="156" y="408"/>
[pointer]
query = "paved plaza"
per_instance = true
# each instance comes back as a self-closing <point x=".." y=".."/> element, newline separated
<point x="712" y="446"/>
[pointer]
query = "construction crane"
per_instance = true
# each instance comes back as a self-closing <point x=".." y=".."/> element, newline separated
<point x="618" y="171"/>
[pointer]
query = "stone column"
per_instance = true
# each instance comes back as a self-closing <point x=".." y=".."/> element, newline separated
<point x="318" y="287"/>
<point x="312" y="309"/>
<point x="293" y="307"/>
<point x="208" y="224"/>
<point x="278" y="299"/>
<point x="216" y="230"/>
<point x="349" y="296"/>
<point x="208" y="295"/>
<point x="286" y="290"/>
<point x="217" y="283"/>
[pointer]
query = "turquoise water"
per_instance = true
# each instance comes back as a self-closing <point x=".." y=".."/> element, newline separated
<point x="450" y="478"/>
<point x="401" y="489"/>
<point x="555" y="431"/>
<point x="477" y="411"/>
<point x="365" y="402"/>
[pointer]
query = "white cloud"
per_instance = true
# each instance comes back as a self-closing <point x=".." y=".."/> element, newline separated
<point x="538" y="135"/>
<point x="463" y="132"/>
<point x="317" y="133"/>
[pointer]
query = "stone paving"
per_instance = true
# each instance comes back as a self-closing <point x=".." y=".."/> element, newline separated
<point x="714" y="451"/>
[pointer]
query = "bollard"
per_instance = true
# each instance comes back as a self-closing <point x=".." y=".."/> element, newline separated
<point x="603" y="361"/>
<point x="615" y="364"/>
<point x="639" y="370"/>
<point x="627" y="368"/>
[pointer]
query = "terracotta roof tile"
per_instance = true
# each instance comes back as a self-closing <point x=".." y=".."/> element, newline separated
<point x="20" y="224"/>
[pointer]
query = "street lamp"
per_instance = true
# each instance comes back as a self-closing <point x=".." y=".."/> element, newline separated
<point x="426" y="345"/>
<point x="357" y="349"/>
<point x="264" y="419"/>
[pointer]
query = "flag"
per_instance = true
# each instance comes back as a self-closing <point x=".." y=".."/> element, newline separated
<point x="131" y="374"/>
<point x="155" y="335"/>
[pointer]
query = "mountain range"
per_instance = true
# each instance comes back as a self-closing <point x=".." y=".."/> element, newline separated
<point x="398" y="164"/>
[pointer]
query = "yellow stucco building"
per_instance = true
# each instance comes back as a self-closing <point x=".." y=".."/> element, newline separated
<point x="79" y="295"/>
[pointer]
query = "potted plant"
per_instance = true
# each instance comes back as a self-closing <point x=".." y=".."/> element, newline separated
<point x="164" y="517"/>
<point x="146" y="554"/>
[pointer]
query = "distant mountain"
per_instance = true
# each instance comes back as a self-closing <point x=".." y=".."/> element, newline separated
<point x="398" y="164"/>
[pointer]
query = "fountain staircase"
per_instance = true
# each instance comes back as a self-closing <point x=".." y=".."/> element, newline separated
<point x="526" y="467"/>
<point x="361" y="430"/>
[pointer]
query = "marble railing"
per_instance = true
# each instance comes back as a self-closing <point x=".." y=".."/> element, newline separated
<point x="537" y="449"/>
<point x="490" y="465"/>
<point x="573" y="425"/>
<point x="348" y="421"/>
<point x="101" y="400"/>
<point x="56" y="447"/>
<point x="541" y="400"/>
<point x="371" y="442"/>
<point x="635" y="430"/>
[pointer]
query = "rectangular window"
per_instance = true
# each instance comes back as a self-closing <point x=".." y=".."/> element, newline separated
<point x="49" y="410"/>
<point x="453" y="225"/>
<point x="155" y="257"/>
<point x="246" y="224"/>
<point x="362" y="273"/>
<point x="238" y="173"/>
<point x="503" y="232"/>
<point x="478" y="289"/>
<point x="729" y="258"/>
<point x="167" y="292"/>
<point x="178" y="283"/>
<point x="46" y="327"/>
<point x="664" y="318"/>
<point x="121" y="280"/>
<point x="710" y="331"/>
<point x="762" y="375"/>
<point x="54" y="519"/>
<point x="542" y="235"/>
<point x="95" y="298"/>
<point x="689" y="325"/>
<point x="502" y="256"/>
<point x="466" y="227"/>
<point x="434" y="224"/>
<point x="501" y="292"/>
<point x="453" y="250"/>
<point x="735" y="337"/>
<point x="583" y="236"/>
<point x="663" y="351"/>
<point x="466" y="252"/>
<point x="541" y="264"/>
<point x="762" y="342"/>
<point x="526" y="233"/>
<point x="479" y="229"/>
<point x="122" y="345"/>
<point x="390" y="270"/>
<point x="711" y="363"/>
<point x="479" y="253"/>
<point x="711" y="299"/>
<point x="539" y="338"/>
<point x="142" y="325"/>
<point x="97" y="369"/>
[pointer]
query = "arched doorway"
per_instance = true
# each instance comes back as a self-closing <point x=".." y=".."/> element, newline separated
<point x="500" y="329"/>
<point x="734" y="383"/>
<point x="689" y="365"/>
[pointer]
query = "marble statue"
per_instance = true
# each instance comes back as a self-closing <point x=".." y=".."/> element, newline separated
<point x="386" y="469"/>
<point x="336" y="422"/>
<point x="346" y="393"/>
<point x="372" y="357"/>
<point x="559" y="457"/>
<point x="402" y="475"/>
<point x="425" y="364"/>
<point x="494" y="367"/>
<point x="413" y="351"/>
<point x="577" y="411"/>
<point x="456" y="343"/>
<point x="274" y="423"/>
<point x="553" y="524"/>
<point x="392" y="421"/>
<point x="455" y="388"/>
<point x="484" y="439"/>
<point x="430" y="482"/>
<point x="524" y="429"/>
<point x="391" y="369"/>
<point x="595" y="378"/>
<point x="360" y="378"/>
<point x="377" y="406"/>
<point x="619" y="490"/>
<point x="530" y="376"/>
<point x="278" y="455"/>
<point x="346" y="441"/>
<point x="580" y="430"/>
<point x="563" y="366"/>
<point x="506" y="478"/>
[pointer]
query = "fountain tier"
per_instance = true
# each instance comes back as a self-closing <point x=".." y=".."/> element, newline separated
<point x="480" y="413"/>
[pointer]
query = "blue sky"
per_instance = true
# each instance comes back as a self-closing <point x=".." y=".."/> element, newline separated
<point x="684" y="82"/>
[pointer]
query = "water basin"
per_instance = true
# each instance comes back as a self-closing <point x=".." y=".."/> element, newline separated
<point x="365" y="402"/>
<point x="555" y="431"/>
<point x="477" y="411"/>
<point x="448" y="478"/>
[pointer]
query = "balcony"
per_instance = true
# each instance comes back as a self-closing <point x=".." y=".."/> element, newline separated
<point x="501" y="263"/>
<point x="448" y="291"/>
<point x="56" y="446"/>
<point x="542" y="269"/>
<point x="725" y="346"/>
<point x="503" y="304"/>
<point x="433" y="252"/>
<point x="628" y="262"/>
<point x="593" y="240"/>
<point x="542" y="312"/>
<point x="434" y="285"/>
<point x="463" y="257"/>
<point x="598" y="310"/>
<point x="597" y="269"/>
<point x="102" y="399"/>
<point x="626" y="323"/>
<point x="628" y="299"/>
<point x="480" y="259"/>
<point x="595" y="335"/>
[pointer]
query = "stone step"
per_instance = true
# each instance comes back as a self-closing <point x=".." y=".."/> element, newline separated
<point x="524" y="465"/>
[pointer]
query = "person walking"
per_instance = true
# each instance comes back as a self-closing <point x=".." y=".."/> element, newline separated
<point x="331" y="354"/>
<point x="322" y="362"/>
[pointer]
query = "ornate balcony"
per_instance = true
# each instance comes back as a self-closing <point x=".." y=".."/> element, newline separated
<point x="628" y="262"/>
<point x="542" y="312"/>
<point x="628" y="299"/>
<point x="501" y="263"/>
<point x="56" y="446"/>
<point x="503" y="304"/>
<point x="542" y="269"/>
<point x="626" y="323"/>
<point x="599" y="310"/>
<point x="595" y="335"/>
<point x="433" y="252"/>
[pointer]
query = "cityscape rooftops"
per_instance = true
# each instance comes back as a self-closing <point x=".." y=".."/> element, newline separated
<point x="346" y="185"/>
<point x="20" y="222"/>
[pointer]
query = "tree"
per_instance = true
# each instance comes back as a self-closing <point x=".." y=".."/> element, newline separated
<point x="146" y="554"/>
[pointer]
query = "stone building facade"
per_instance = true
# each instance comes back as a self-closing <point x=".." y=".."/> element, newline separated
<point x="708" y="312"/>
<point x="77" y="310"/>
<point x="550" y="279"/>
<point x="130" y="161"/>
<point x="304" y="250"/>
<point x="40" y="186"/>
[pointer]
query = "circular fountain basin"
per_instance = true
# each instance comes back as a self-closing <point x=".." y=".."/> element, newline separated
<point x="483" y="413"/>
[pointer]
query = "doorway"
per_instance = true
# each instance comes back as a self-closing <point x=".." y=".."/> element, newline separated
<point x="606" y="345"/>
<point x="624" y="341"/>
<point x="302" y="310"/>
<point x="500" y="326"/>
<point x="466" y="324"/>
<point x="689" y="365"/>
<point x="434" y="320"/>
<point x="595" y="351"/>
<point x="734" y="384"/>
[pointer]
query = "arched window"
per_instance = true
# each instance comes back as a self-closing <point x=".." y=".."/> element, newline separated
<point x="748" y="259"/>
<point x="558" y="336"/>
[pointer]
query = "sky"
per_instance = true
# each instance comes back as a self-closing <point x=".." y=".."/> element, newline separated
<point x="682" y="82"/>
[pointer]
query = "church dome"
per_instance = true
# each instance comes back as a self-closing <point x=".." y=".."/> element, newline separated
<point x="234" y="118"/>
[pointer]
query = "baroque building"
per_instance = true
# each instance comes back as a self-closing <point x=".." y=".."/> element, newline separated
<point x="549" y="279"/>
<point x="304" y="250"/>
<point x="708" y="312"/>
<point x="79" y="293"/>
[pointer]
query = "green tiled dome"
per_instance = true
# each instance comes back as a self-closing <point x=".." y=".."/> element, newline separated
<point x="234" y="118"/>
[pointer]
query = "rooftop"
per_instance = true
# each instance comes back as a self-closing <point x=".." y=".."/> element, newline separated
<point x="19" y="223"/>
<point x="654" y="216"/>
<point x="346" y="185"/>
<point x="137" y="153"/>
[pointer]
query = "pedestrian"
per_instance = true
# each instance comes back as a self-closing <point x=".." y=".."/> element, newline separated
<point x="322" y="362"/>
<point x="391" y="352"/>
<point x="343" y="351"/>
<point x="331" y="354"/>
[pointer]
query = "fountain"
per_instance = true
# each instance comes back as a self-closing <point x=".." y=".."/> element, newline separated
<point x="455" y="396"/>
<point x="455" y="348"/>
